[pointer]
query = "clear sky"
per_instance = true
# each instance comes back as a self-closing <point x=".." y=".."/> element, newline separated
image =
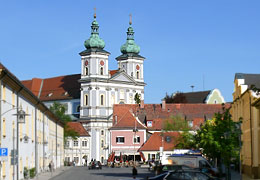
<point x="182" y="40"/>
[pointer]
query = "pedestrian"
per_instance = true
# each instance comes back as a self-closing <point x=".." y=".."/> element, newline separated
<point x="50" y="167"/>
<point x="134" y="172"/>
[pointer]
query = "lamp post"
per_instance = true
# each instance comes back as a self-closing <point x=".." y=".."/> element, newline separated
<point x="20" y="119"/>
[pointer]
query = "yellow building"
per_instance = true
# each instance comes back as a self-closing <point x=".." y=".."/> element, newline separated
<point x="246" y="105"/>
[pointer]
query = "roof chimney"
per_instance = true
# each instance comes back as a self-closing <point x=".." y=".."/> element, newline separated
<point x="163" y="104"/>
<point x="142" y="104"/>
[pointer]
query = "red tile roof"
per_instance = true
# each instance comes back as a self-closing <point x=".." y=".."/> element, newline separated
<point x="158" y="140"/>
<point x="112" y="72"/>
<point x="123" y="118"/>
<point x="76" y="126"/>
<point x="197" y="113"/>
<point x="56" y="88"/>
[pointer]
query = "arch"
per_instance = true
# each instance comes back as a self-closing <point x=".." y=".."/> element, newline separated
<point x="102" y="100"/>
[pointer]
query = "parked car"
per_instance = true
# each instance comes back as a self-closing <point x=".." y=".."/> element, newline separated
<point x="188" y="175"/>
<point x="95" y="165"/>
<point x="169" y="167"/>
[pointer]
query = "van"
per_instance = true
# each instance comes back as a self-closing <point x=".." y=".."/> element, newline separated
<point x="194" y="161"/>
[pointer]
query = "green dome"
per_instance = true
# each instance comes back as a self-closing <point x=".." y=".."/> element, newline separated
<point x="130" y="46"/>
<point x="94" y="41"/>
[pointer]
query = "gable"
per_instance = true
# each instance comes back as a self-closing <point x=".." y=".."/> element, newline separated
<point x="122" y="76"/>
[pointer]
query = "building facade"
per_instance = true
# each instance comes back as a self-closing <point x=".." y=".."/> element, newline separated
<point x="32" y="143"/>
<point x="90" y="95"/>
<point x="77" y="151"/>
<point x="245" y="107"/>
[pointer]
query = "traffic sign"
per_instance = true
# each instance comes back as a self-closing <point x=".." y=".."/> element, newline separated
<point x="3" y="152"/>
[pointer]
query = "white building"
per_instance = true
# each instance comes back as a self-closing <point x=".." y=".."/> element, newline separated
<point x="36" y="141"/>
<point x="78" y="150"/>
<point x="91" y="94"/>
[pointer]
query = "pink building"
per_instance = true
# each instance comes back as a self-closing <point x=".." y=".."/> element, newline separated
<point x="127" y="133"/>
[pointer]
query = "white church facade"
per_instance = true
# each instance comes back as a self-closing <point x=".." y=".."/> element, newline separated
<point x="90" y="95"/>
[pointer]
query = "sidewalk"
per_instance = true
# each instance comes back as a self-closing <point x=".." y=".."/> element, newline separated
<point x="49" y="175"/>
<point x="235" y="175"/>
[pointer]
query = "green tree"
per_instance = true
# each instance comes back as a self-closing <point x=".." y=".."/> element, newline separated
<point x="59" y="110"/>
<point x="186" y="140"/>
<point x="137" y="98"/>
<point x="219" y="138"/>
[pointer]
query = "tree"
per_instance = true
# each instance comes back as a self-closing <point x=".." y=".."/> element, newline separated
<point x="186" y="140"/>
<point x="219" y="138"/>
<point x="137" y="98"/>
<point x="59" y="110"/>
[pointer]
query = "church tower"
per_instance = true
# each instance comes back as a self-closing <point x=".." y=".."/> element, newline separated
<point x="130" y="61"/>
<point x="94" y="99"/>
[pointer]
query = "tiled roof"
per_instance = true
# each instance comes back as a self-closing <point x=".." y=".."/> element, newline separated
<point x="56" y="88"/>
<point x="154" y="112"/>
<point x="167" y="140"/>
<point x="192" y="97"/>
<point x="76" y="126"/>
<point x="123" y="118"/>
<point x="112" y="72"/>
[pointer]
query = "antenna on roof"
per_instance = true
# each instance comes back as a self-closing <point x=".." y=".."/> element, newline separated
<point x="192" y="87"/>
<point x="203" y="82"/>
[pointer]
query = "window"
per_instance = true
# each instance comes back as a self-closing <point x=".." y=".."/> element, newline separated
<point x="101" y="71"/>
<point x="137" y="75"/>
<point x="78" y="108"/>
<point x="120" y="139"/>
<point x="4" y="90"/>
<point x="122" y="94"/>
<point x="102" y="143"/>
<point x="190" y="123"/>
<point x="85" y="143"/>
<point x="86" y="100"/>
<point x="86" y="70"/>
<point x="76" y="143"/>
<point x="67" y="144"/>
<point x="102" y="99"/>
<point x="149" y="123"/>
<point x="4" y="128"/>
<point x="102" y="132"/>
<point x="136" y="139"/>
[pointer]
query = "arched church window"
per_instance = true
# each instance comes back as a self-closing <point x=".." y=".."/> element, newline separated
<point x="102" y="143"/>
<point x="86" y="100"/>
<point x="102" y="99"/>
<point x="86" y="71"/>
<point x="101" y="71"/>
<point x="137" y="75"/>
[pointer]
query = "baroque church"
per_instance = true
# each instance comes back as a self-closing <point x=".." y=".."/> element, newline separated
<point x="90" y="95"/>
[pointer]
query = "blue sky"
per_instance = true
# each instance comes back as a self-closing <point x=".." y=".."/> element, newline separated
<point x="182" y="40"/>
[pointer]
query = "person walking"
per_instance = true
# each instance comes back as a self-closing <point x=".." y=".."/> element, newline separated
<point x="50" y="167"/>
<point x="134" y="172"/>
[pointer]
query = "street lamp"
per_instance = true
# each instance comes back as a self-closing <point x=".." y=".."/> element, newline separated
<point x="20" y="119"/>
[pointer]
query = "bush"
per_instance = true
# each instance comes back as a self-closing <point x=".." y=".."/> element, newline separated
<point x="25" y="172"/>
<point x="32" y="172"/>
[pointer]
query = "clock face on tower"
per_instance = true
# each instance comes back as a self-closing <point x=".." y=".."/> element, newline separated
<point x="86" y="63"/>
<point x="137" y="67"/>
<point x="102" y="63"/>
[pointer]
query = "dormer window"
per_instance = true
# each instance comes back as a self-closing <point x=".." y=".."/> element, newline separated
<point x="49" y="95"/>
<point x="149" y="123"/>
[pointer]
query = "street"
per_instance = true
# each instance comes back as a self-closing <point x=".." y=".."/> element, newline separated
<point x="83" y="173"/>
